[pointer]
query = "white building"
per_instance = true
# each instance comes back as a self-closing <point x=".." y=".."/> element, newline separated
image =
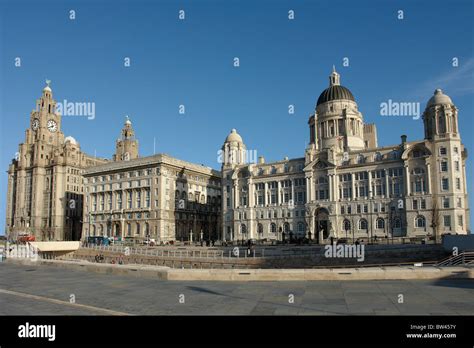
<point x="345" y="185"/>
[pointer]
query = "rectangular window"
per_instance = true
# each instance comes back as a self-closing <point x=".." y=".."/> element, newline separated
<point x="415" y="204"/>
<point x="273" y="198"/>
<point x="442" y="151"/>
<point x="343" y="210"/>
<point x="260" y="200"/>
<point x="444" y="166"/>
<point x="456" y="165"/>
<point x="358" y="209"/>
<point x="460" y="220"/>
<point x="423" y="204"/>
<point x="459" y="203"/>
<point x="349" y="209"/>
<point x="445" y="184"/>
<point x="447" y="221"/>
<point x="396" y="189"/>
<point x="446" y="202"/>
<point x="147" y="198"/>
<point x="458" y="183"/>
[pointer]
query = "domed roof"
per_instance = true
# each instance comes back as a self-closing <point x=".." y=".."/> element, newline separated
<point x="71" y="140"/>
<point x="336" y="92"/>
<point x="234" y="136"/>
<point x="127" y="120"/>
<point x="439" y="98"/>
<point x="47" y="88"/>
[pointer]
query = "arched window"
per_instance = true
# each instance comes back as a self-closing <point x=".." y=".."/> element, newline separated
<point x="243" y="229"/>
<point x="362" y="224"/>
<point x="397" y="223"/>
<point x="378" y="156"/>
<point x="360" y="159"/>
<point x="346" y="225"/>
<point x="183" y="195"/>
<point x="420" y="221"/>
<point x="380" y="224"/>
<point x="273" y="228"/>
<point x="260" y="229"/>
<point x="287" y="227"/>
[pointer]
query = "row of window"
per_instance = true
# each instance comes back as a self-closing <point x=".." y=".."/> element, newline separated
<point x="147" y="172"/>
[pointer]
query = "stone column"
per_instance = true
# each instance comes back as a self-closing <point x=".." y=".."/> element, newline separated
<point x="331" y="187"/>
<point x="387" y="191"/>
<point x="278" y="193"/>
<point x="293" y="190"/>
<point x="407" y="181"/>
<point x="236" y="195"/>
<point x="428" y="176"/>
<point x="352" y="186"/>
<point x="266" y="199"/>
<point x="371" y="193"/>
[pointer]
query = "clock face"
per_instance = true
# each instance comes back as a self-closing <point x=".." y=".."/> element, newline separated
<point x="52" y="126"/>
<point x="35" y="124"/>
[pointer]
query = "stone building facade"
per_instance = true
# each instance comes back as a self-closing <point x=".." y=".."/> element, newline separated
<point x="347" y="186"/>
<point x="158" y="197"/>
<point x="45" y="184"/>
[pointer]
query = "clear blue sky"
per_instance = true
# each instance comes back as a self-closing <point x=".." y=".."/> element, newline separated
<point x="190" y="62"/>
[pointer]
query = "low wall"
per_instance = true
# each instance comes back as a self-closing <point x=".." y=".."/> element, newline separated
<point x="165" y="273"/>
<point x="287" y="259"/>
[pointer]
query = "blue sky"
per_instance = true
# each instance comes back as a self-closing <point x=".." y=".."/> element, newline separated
<point x="190" y="62"/>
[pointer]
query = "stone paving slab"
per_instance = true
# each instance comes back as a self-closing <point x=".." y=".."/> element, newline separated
<point x="152" y="296"/>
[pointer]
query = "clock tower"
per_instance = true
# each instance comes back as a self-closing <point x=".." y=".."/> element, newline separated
<point x="45" y="186"/>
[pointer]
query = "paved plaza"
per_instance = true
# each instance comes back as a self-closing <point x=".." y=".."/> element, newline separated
<point x="32" y="290"/>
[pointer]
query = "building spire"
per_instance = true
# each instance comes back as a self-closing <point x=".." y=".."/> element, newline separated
<point x="334" y="78"/>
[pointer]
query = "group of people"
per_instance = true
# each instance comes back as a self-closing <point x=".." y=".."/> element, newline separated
<point x="211" y="242"/>
<point x="99" y="258"/>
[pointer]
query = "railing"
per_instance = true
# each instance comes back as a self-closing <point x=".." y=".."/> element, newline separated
<point x="464" y="258"/>
<point x="159" y="252"/>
